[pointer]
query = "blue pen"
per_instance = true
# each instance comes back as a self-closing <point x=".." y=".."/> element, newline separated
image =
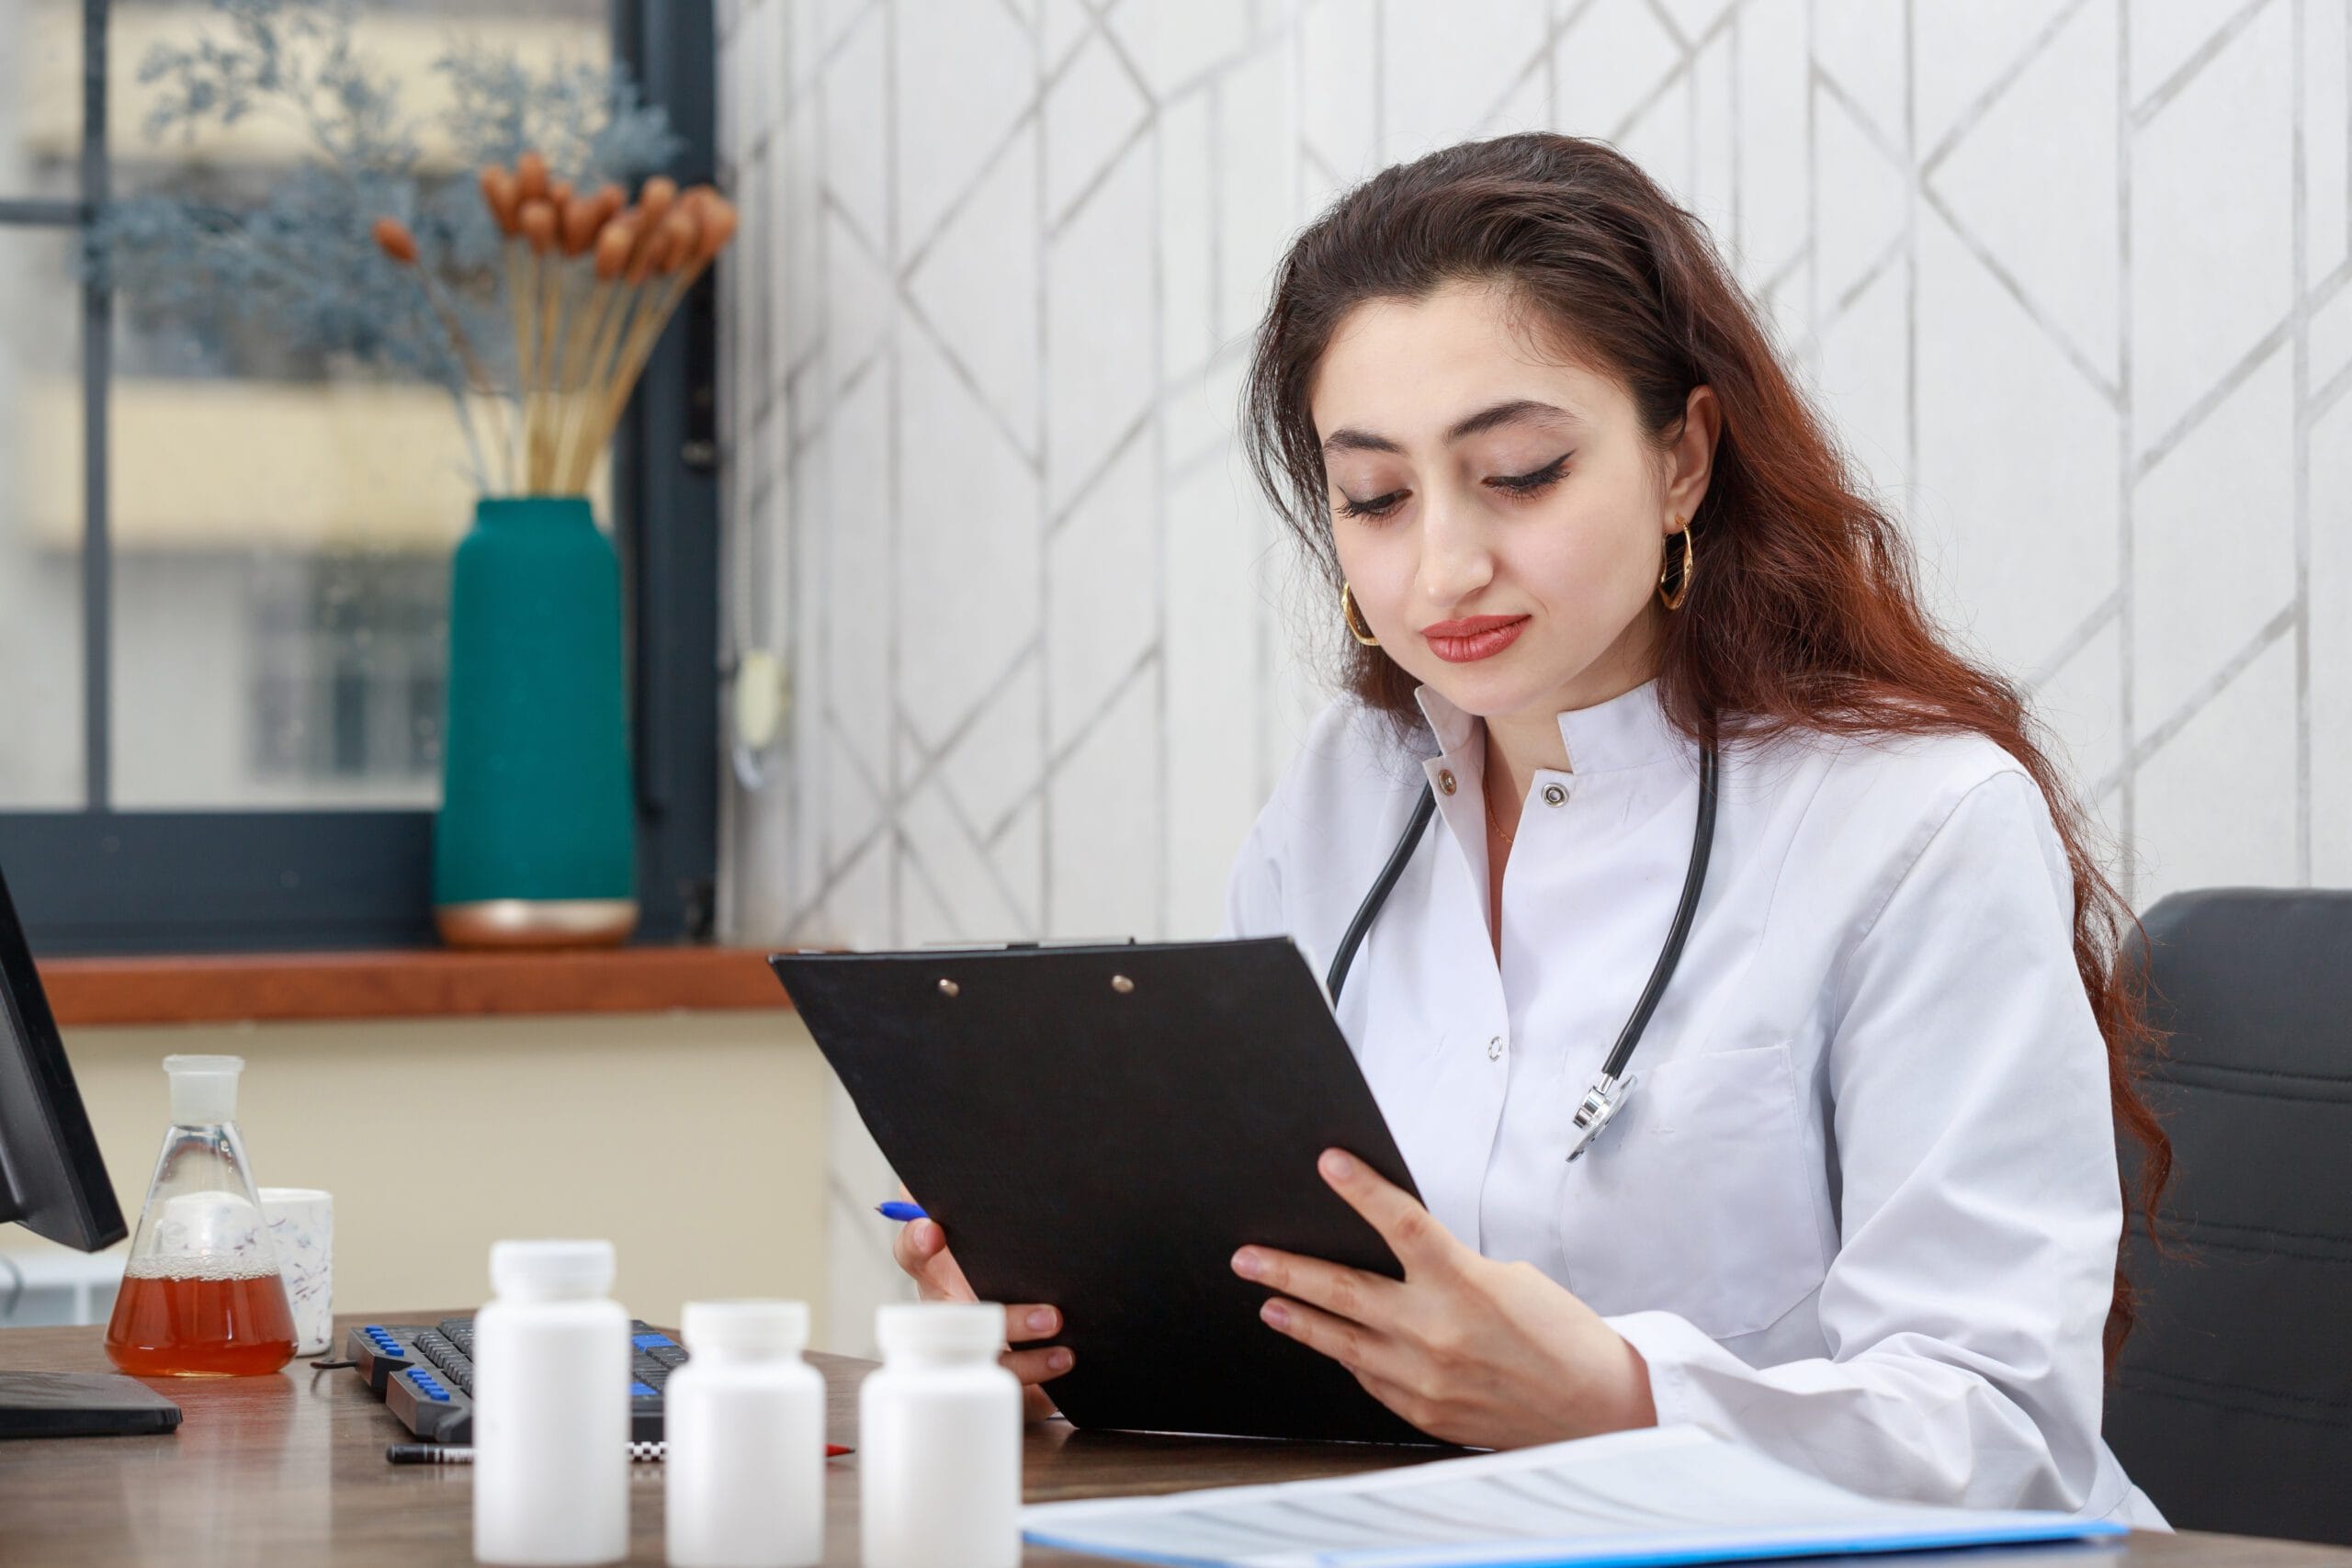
<point x="894" y="1210"/>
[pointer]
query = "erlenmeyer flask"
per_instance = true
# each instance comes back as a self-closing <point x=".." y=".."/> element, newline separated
<point x="201" y="1295"/>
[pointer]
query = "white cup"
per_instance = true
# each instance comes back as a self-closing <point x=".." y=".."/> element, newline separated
<point x="301" y="1232"/>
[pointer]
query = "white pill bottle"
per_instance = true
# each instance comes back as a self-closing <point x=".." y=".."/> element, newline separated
<point x="939" y="1440"/>
<point x="745" y="1423"/>
<point x="551" y="1427"/>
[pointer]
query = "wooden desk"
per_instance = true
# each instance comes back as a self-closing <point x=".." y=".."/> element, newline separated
<point x="291" y="1470"/>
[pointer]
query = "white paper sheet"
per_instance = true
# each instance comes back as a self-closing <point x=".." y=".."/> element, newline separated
<point x="1658" y="1495"/>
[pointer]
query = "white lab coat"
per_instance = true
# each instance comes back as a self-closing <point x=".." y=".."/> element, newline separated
<point x="1861" y="1210"/>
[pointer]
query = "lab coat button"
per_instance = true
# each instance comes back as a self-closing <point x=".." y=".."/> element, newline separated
<point x="1554" y="794"/>
<point x="1445" y="779"/>
<point x="1494" y="1049"/>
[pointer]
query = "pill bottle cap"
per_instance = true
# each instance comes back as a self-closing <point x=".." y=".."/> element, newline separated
<point x="204" y="1088"/>
<point x="746" y="1328"/>
<point x="939" y="1329"/>
<point x="550" y="1270"/>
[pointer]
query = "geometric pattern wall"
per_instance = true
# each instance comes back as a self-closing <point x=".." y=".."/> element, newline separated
<point x="2069" y="276"/>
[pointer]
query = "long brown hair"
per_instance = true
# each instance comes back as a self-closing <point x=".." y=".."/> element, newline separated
<point x="1803" y="613"/>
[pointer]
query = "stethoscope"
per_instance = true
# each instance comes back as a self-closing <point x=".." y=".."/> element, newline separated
<point x="1611" y="1088"/>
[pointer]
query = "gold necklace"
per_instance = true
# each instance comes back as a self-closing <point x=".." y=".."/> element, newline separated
<point x="1490" y="815"/>
<point x="1485" y="773"/>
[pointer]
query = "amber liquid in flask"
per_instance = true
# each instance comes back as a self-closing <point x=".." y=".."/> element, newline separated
<point x="192" y="1327"/>
<point x="201" y="1293"/>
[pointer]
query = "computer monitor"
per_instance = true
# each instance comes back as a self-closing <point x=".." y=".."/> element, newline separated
<point x="53" y="1182"/>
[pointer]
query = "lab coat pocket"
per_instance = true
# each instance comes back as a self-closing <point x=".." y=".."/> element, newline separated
<point x="1699" y="1199"/>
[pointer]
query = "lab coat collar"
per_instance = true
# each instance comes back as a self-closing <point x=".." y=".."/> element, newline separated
<point x="1629" y="731"/>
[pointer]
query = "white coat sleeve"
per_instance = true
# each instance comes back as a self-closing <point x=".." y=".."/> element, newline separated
<point x="1253" y="893"/>
<point x="1979" y="1212"/>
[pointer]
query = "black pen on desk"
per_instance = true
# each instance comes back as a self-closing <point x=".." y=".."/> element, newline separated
<point x="458" y="1453"/>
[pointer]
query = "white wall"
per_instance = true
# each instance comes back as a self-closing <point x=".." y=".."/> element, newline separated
<point x="2069" y="276"/>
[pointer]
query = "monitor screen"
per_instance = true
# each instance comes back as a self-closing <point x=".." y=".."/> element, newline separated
<point x="52" y="1180"/>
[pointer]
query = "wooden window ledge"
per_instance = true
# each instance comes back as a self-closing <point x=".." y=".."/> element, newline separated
<point x="423" y="982"/>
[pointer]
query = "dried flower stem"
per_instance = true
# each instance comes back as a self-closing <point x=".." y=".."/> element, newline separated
<point x="543" y="421"/>
<point x="475" y="375"/>
<point x="394" y="239"/>
<point x="691" y="239"/>
<point x="584" y="349"/>
<point x="637" y="347"/>
<point x="519" y="300"/>
<point x="604" y="356"/>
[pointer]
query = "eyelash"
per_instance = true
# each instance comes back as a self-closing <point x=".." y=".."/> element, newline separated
<point x="1517" y="484"/>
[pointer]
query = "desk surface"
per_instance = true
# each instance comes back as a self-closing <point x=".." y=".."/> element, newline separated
<point x="290" y="1469"/>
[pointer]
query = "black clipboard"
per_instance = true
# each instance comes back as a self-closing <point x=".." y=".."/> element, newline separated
<point x="1100" y="1126"/>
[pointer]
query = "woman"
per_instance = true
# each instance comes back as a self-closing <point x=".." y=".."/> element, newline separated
<point x="1862" y="1207"/>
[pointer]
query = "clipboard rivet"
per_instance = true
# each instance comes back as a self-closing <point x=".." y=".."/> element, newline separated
<point x="1122" y="984"/>
<point x="948" y="988"/>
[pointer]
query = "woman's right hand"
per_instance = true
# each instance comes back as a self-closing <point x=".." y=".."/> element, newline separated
<point x="921" y="1251"/>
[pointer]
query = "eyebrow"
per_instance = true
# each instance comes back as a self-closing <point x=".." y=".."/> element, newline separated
<point x="1519" y="410"/>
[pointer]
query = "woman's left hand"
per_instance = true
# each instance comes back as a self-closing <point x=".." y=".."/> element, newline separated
<point x="1472" y="1351"/>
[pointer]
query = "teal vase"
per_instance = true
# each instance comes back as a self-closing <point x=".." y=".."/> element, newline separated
<point x="535" y="841"/>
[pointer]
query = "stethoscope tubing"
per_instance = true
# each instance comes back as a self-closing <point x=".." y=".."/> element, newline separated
<point x="1694" y="879"/>
<point x="1423" y="809"/>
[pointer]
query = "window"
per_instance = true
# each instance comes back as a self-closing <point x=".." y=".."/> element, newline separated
<point x="223" y="560"/>
<point x="349" y="677"/>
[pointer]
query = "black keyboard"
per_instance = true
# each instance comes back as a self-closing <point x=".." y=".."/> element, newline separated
<point x="425" y="1375"/>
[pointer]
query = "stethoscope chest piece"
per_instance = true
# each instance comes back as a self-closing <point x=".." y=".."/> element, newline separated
<point x="1602" y="1103"/>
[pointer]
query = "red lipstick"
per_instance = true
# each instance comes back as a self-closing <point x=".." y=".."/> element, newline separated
<point x="1474" y="636"/>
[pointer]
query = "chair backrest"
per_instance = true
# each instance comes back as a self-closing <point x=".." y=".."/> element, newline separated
<point x="2231" y="1402"/>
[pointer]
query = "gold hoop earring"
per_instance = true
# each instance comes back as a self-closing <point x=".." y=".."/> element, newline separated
<point x="1348" y="614"/>
<point x="1689" y="563"/>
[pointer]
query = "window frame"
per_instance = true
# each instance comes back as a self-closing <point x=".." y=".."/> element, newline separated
<point x="98" y="880"/>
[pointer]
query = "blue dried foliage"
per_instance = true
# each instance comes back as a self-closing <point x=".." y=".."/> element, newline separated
<point x="300" y="259"/>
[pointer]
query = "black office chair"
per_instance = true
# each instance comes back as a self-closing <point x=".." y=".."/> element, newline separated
<point x="2231" y="1402"/>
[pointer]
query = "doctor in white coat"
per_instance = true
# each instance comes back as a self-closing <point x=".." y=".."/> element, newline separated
<point x="1860" y="1206"/>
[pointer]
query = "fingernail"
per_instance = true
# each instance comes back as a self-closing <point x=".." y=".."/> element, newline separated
<point x="1276" y="1314"/>
<point x="1338" y="1165"/>
<point x="1058" y="1362"/>
<point x="1245" y="1263"/>
<point x="1041" y="1319"/>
